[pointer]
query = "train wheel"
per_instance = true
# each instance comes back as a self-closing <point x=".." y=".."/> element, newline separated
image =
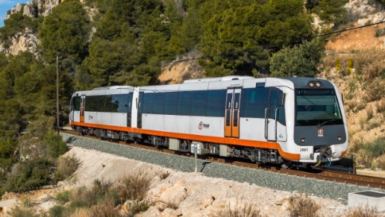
<point x="286" y="165"/>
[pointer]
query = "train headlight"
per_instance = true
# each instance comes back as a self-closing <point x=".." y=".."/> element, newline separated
<point x="311" y="84"/>
<point x="318" y="84"/>
<point x="302" y="140"/>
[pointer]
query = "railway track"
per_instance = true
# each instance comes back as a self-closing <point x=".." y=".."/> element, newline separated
<point x="334" y="176"/>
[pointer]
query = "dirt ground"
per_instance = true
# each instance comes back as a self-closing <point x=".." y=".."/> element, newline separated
<point x="359" y="39"/>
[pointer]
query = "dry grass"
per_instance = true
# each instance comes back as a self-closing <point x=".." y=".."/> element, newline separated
<point x="362" y="212"/>
<point x="105" y="209"/>
<point x="302" y="205"/>
<point x="362" y="119"/>
<point x="240" y="209"/>
<point x="164" y="205"/>
<point x="163" y="175"/>
<point x="380" y="107"/>
<point x="137" y="207"/>
<point x="381" y="162"/>
<point x="22" y="211"/>
<point x="375" y="90"/>
<point x="133" y="187"/>
<point x="66" y="167"/>
<point x="82" y="212"/>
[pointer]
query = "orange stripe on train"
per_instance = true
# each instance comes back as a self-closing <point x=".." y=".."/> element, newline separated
<point x="213" y="139"/>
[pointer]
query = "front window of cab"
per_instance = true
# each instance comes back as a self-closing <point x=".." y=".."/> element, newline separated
<point x="317" y="108"/>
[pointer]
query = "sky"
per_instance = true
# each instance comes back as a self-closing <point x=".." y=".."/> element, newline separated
<point x="6" y="5"/>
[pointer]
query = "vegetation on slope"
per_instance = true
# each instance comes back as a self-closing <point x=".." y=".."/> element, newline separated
<point x="364" y="103"/>
<point x="128" y="43"/>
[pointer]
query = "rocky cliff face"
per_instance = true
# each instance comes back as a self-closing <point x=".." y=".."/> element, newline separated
<point x="35" y="8"/>
<point x="26" y="40"/>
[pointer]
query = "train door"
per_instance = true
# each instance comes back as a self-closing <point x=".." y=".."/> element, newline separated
<point x="275" y="116"/>
<point x="233" y="103"/>
<point x="82" y="108"/>
<point x="140" y="107"/>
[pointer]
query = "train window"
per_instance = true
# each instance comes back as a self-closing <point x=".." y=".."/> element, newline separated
<point x="76" y="103"/>
<point x="89" y="103"/>
<point x="281" y="115"/>
<point x="199" y="103"/>
<point x="159" y="102"/>
<point x="216" y="103"/>
<point x="92" y="103"/>
<point x="184" y="103"/>
<point x="148" y="103"/>
<point x="317" y="107"/>
<point x="102" y="103"/>
<point x="119" y="103"/>
<point x="171" y="107"/>
<point x="254" y="101"/>
<point x="108" y="107"/>
<point x="274" y="99"/>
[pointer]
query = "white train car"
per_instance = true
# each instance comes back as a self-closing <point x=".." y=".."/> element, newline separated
<point x="265" y="120"/>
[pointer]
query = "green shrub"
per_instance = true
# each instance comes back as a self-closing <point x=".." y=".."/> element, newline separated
<point x="22" y="211"/>
<point x="55" y="144"/>
<point x="29" y="175"/>
<point x="380" y="32"/>
<point x="57" y="211"/>
<point x="301" y="61"/>
<point x="63" y="197"/>
<point x="7" y="149"/>
<point x="376" y="148"/>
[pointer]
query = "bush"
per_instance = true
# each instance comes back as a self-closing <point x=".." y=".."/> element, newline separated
<point x="105" y="209"/>
<point x="376" y="148"/>
<point x="99" y="191"/>
<point x="63" y="197"/>
<point x="301" y="61"/>
<point x="41" y="141"/>
<point x="29" y="175"/>
<point x="22" y="212"/>
<point x="7" y="149"/>
<point x="375" y="90"/>
<point x="380" y="32"/>
<point x="56" y="145"/>
<point x="57" y="211"/>
<point x="239" y="209"/>
<point x="362" y="212"/>
<point x="66" y="167"/>
<point x="133" y="187"/>
<point x="302" y="206"/>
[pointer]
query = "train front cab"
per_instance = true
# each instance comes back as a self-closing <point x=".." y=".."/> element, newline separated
<point x="318" y="119"/>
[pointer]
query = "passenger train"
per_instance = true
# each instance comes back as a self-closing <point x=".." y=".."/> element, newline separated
<point x="267" y="120"/>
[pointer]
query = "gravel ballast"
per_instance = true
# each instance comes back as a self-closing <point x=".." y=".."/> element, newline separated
<point x="333" y="190"/>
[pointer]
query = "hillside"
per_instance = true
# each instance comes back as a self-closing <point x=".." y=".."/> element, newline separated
<point x="363" y="88"/>
<point x="170" y="193"/>
<point x="95" y="43"/>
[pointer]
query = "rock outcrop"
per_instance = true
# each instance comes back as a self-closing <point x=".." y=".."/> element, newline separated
<point x="34" y="8"/>
<point x="22" y="41"/>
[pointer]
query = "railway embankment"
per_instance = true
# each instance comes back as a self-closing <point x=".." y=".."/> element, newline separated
<point x="176" y="190"/>
<point x="277" y="181"/>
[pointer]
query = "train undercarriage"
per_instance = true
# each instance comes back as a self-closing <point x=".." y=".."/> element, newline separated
<point x="257" y="155"/>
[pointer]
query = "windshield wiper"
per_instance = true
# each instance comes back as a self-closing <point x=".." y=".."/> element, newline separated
<point x="325" y="122"/>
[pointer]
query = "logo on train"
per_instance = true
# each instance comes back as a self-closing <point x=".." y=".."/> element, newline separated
<point x="203" y="125"/>
<point x="320" y="132"/>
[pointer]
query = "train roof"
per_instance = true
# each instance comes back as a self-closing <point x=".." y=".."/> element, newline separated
<point x="301" y="82"/>
<point x="225" y="78"/>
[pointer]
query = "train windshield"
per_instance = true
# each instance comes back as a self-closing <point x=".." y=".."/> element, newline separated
<point x="317" y="107"/>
